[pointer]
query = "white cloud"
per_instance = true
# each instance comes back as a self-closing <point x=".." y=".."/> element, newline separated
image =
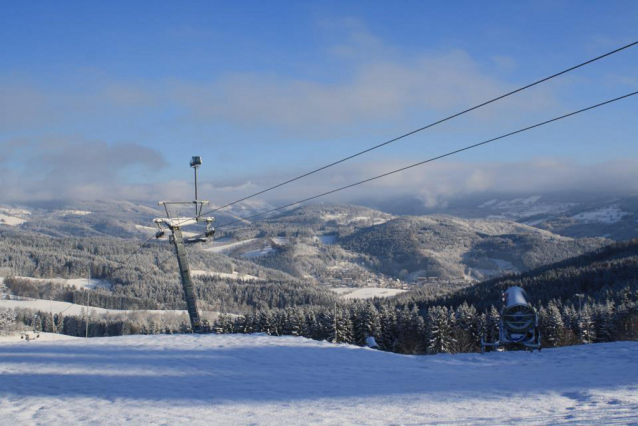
<point x="52" y="168"/>
<point x="74" y="168"/>
<point x="377" y="91"/>
<point x="372" y="82"/>
<point x="437" y="183"/>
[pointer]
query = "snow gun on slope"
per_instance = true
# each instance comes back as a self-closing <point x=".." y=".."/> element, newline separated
<point x="518" y="324"/>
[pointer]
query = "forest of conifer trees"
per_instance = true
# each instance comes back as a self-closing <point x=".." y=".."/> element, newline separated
<point x="588" y="299"/>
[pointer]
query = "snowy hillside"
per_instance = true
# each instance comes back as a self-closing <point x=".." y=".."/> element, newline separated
<point x="72" y="282"/>
<point x="254" y="379"/>
<point x="451" y="248"/>
<point x="366" y="292"/>
<point x="67" y="308"/>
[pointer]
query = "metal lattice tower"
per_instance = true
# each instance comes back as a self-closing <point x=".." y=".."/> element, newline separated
<point x="175" y="224"/>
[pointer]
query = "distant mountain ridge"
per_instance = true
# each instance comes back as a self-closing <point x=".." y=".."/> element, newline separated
<point x="358" y="245"/>
<point x="452" y="248"/>
<point x="572" y="215"/>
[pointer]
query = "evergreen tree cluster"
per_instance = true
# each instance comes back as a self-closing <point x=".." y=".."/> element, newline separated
<point x="440" y="329"/>
<point x="103" y="326"/>
<point x="7" y="321"/>
<point x="417" y="322"/>
<point x="147" y="279"/>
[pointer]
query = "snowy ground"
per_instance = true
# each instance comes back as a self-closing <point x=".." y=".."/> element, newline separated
<point x="608" y="215"/>
<point x="43" y="337"/>
<point x="234" y="275"/>
<point x="366" y="292"/>
<point x="225" y="246"/>
<point x="75" y="309"/>
<point x="10" y="220"/>
<point x="73" y="282"/>
<point x="241" y="379"/>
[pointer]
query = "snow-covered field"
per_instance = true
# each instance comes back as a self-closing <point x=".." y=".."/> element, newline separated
<point x="366" y="292"/>
<point x="608" y="215"/>
<point x="42" y="337"/>
<point x="255" y="379"/>
<point x="74" y="309"/>
<point x="73" y="282"/>
<point x="234" y="275"/>
<point x="251" y="248"/>
<point x="11" y="220"/>
<point x="263" y="251"/>
<point x="225" y="247"/>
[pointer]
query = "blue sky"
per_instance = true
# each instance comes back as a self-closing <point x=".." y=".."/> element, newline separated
<point x="112" y="98"/>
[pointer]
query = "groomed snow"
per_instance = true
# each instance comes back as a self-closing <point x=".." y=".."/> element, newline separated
<point x="255" y="379"/>
<point x="43" y="337"/>
<point x="224" y="247"/>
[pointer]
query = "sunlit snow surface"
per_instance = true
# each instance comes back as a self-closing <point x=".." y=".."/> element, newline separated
<point x="255" y="379"/>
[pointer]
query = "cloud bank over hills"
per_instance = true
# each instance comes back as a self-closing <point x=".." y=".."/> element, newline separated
<point x="77" y="169"/>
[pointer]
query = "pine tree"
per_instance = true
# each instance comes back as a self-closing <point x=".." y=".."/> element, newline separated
<point x="344" y="326"/>
<point x="388" y="329"/>
<point x="239" y="324"/>
<point x="359" y="325"/>
<point x="605" y="321"/>
<point x="59" y="323"/>
<point x="551" y="323"/>
<point x="586" y="325"/>
<point x="371" y="322"/>
<point x="467" y="331"/>
<point x="439" y="330"/>
<point x="7" y="320"/>
<point x="492" y="325"/>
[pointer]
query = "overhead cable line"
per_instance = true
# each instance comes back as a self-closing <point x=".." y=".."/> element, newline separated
<point x="431" y="159"/>
<point x="124" y="263"/>
<point x="426" y="127"/>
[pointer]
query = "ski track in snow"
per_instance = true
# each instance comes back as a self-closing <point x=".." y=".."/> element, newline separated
<point x="257" y="379"/>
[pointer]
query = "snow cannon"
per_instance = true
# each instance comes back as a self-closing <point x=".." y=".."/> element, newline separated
<point x="519" y="322"/>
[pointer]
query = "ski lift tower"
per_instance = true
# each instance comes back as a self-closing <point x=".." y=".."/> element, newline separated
<point x="175" y="224"/>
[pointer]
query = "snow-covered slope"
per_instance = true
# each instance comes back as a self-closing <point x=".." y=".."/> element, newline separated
<point x="13" y="217"/>
<point x="366" y="292"/>
<point x="67" y="308"/>
<point x="249" y="379"/>
<point x="451" y="248"/>
<point x="72" y="282"/>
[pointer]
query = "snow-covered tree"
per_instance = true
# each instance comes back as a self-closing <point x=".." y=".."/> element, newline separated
<point x="605" y="318"/>
<point x="439" y="331"/>
<point x="492" y="325"/>
<point x="388" y="337"/>
<point x="551" y="323"/>
<point x="467" y="329"/>
<point x="7" y="320"/>
<point x="586" y="325"/>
